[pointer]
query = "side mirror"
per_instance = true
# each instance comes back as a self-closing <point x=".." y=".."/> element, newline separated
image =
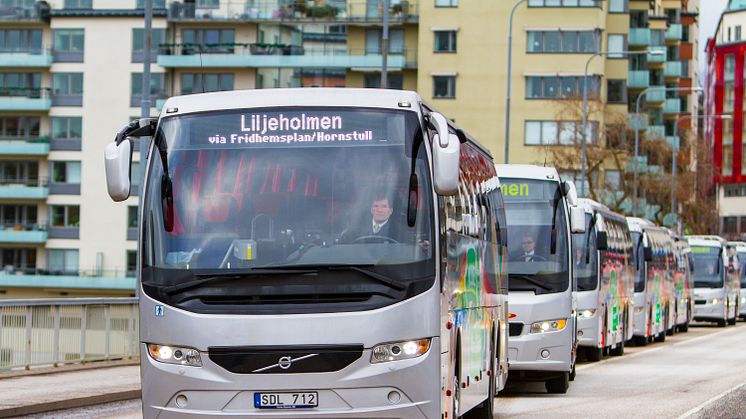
<point x="446" y="156"/>
<point x="602" y="240"/>
<point x="647" y="253"/>
<point x="118" y="163"/>
<point x="577" y="219"/>
<point x="569" y="191"/>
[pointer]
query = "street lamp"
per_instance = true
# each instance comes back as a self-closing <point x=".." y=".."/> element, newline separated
<point x="507" y="97"/>
<point x="673" y="159"/>
<point x="583" y="164"/>
<point x="637" y="133"/>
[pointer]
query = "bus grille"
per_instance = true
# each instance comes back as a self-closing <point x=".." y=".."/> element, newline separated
<point x="700" y="302"/>
<point x="515" y="329"/>
<point x="285" y="359"/>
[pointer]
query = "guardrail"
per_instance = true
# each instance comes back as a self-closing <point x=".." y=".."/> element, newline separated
<point x="38" y="332"/>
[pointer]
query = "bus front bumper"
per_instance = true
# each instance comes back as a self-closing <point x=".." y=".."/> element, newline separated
<point x="709" y="311"/>
<point x="588" y="331"/>
<point x="550" y="351"/>
<point x="361" y="390"/>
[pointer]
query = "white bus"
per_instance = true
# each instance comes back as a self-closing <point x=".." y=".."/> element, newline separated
<point x="653" y="252"/>
<point x="740" y="248"/>
<point x="604" y="274"/>
<point x="542" y="214"/>
<point x="299" y="260"/>
<point x="716" y="282"/>
<point x="683" y="280"/>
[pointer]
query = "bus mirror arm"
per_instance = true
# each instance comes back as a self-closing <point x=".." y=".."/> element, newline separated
<point x="602" y="240"/>
<point x="647" y="253"/>
<point x="446" y="149"/>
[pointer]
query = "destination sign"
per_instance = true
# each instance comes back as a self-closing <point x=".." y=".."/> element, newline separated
<point x="705" y="250"/>
<point x="527" y="190"/>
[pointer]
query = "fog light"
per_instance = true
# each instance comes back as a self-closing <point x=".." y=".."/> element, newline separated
<point x="394" y="397"/>
<point x="182" y="401"/>
<point x="580" y="333"/>
<point x="545" y="353"/>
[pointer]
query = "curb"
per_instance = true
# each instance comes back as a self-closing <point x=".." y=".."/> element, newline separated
<point x="68" y="368"/>
<point x="70" y="403"/>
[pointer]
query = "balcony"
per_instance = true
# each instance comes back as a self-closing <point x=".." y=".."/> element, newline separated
<point x="23" y="233"/>
<point x="655" y="170"/>
<point x="23" y="189"/>
<point x="25" y="99"/>
<point x="641" y="124"/>
<point x="276" y="10"/>
<point x="672" y="106"/>
<point x="657" y="58"/>
<point x="675" y="142"/>
<point x="672" y="69"/>
<point x="656" y="94"/>
<point x="674" y="32"/>
<point x="642" y="165"/>
<point x="656" y="132"/>
<point x="41" y="58"/>
<point x="638" y="79"/>
<point x="256" y="55"/>
<point x="24" y="146"/>
<point x="100" y="279"/>
<point x="37" y="13"/>
<point x="639" y="37"/>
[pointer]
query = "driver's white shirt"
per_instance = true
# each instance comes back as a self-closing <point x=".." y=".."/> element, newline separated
<point x="528" y="256"/>
<point x="377" y="227"/>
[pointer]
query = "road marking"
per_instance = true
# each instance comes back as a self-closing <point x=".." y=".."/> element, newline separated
<point x="623" y="357"/>
<point x="709" y="335"/>
<point x="702" y="406"/>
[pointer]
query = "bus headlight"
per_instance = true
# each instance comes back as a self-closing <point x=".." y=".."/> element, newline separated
<point x="399" y="350"/>
<point x="716" y="301"/>
<point x="175" y="355"/>
<point x="743" y="300"/>
<point x="548" y="326"/>
<point x="584" y="314"/>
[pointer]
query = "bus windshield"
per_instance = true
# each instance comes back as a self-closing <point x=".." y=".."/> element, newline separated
<point x="538" y="249"/>
<point x="585" y="258"/>
<point x="639" y="261"/>
<point x="708" y="266"/>
<point x="285" y="188"/>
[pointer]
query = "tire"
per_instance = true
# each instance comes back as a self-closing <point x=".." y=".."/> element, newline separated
<point x="732" y="322"/>
<point x="722" y="323"/>
<point x="618" y="351"/>
<point x="661" y="337"/>
<point x="684" y="327"/>
<point x="594" y="354"/>
<point x="558" y="385"/>
<point x="456" y="381"/>
<point x="486" y="410"/>
<point x="572" y="373"/>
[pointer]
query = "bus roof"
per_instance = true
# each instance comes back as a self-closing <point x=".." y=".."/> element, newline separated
<point x="637" y="224"/>
<point x="589" y="205"/>
<point x="262" y="98"/>
<point x="527" y="171"/>
<point x="740" y="246"/>
<point x="711" y="241"/>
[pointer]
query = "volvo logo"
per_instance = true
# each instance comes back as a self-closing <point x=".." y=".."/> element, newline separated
<point x="285" y="362"/>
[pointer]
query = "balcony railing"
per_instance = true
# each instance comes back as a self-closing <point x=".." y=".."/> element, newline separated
<point x="24" y="188"/>
<point x="639" y="37"/>
<point x="25" y="57"/>
<point x="674" y="32"/>
<point x="656" y="94"/>
<point x="117" y="273"/>
<point x="262" y="55"/>
<point x="672" y="106"/>
<point x="29" y="146"/>
<point x="657" y="58"/>
<point x="67" y="330"/>
<point x="639" y="79"/>
<point x="23" y="233"/>
<point x="300" y="10"/>
<point x="672" y="69"/>
<point x="25" y="98"/>
<point x="40" y="12"/>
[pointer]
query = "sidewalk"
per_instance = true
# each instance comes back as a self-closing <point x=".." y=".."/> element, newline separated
<point x="29" y="394"/>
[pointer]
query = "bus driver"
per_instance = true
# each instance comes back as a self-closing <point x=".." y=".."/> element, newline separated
<point x="381" y="224"/>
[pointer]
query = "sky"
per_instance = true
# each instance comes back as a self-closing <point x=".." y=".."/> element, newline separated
<point x="709" y="15"/>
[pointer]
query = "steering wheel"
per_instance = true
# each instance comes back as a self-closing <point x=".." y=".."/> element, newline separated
<point x="538" y="258"/>
<point x="369" y="238"/>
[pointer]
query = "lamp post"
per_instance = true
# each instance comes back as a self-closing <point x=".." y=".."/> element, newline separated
<point x="673" y="160"/>
<point x="637" y="133"/>
<point x="507" y="97"/>
<point x="584" y="154"/>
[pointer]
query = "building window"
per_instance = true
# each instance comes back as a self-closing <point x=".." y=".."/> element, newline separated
<point x="66" y="172"/>
<point x="157" y="88"/>
<point x="20" y="40"/>
<point x="19" y="172"/>
<point x="738" y="33"/>
<point x="19" y="127"/>
<point x="67" y="127"/>
<point x="78" y="4"/>
<point x="374" y="37"/>
<point x="69" y="40"/>
<point x="131" y="263"/>
<point x="564" y="3"/>
<point x="63" y="261"/>
<point x="446" y="3"/>
<point x="395" y="81"/>
<point x="21" y="84"/>
<point x="157" y="4"/>
<point x="208" y="41"/>
<point x="445" y="41"/>
<point x="558" y="132"/>
<point x="727" y="163"/>
<point x="65" y="215"/>
<point x="13" y="216"/>
<point x="617" y="46"/>
<point x="132" y="217"/>
<point x="156" y="47"/>
<point x="616" y="91"/>
<point x="569" y="42"/>
<point x="444" y="87"/>
<point x="730" y="225"/>
<point x="196" y="82"/>
<point x="560" y="87"/>
<point x="613" y="180"/>
<point x="618" y="6"/>
<point x="68" y="89"/>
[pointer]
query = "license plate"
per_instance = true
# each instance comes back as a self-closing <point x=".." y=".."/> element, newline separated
<point x="302" y="400"/>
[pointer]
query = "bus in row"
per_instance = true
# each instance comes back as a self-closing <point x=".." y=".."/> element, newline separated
<point x="717" y="280"/>
<point x="740" y="250"/>
<point x="329" y="252"/>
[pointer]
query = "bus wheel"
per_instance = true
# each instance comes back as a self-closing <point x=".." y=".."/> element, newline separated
<point x="661" y="337"/>
<point x="558" y="385"/>
<point x="640" y="340"/>
<point x="572" y="373"/>
<point x="594" y="354"/>
<point x="619" y="350"/>
<point x="684" y="327"/>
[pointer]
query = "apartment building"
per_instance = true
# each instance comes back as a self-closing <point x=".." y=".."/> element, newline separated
<point x="725" y="95"/>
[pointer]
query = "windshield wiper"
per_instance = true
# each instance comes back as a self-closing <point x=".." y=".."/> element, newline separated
<point x="530" y="280"/>
<point x="217" y="276"/>
<point x="393" y="283"/>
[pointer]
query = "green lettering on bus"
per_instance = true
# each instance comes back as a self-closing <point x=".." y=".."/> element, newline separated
<point x="515" y="189"/>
